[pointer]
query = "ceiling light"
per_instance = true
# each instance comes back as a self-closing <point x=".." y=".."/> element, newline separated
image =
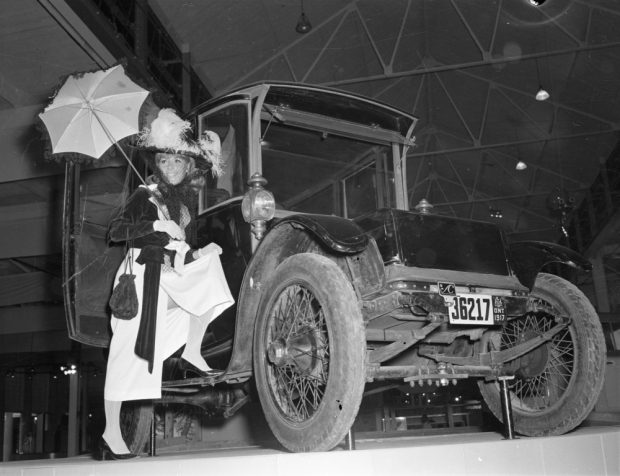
<point x="542" y="94"/>
<point x="424" y="207"/>
<point x="536" y="3"/>
<point x="495" y="213"/>
<point x="68" y="369"/>
<point x="521" y="165"/>
<point x="303" y="24"/>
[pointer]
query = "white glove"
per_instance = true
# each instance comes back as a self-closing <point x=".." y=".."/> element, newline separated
<point x="181" y="249"/>
<point x="208" y="249"/>
<point x="169" y="226"/>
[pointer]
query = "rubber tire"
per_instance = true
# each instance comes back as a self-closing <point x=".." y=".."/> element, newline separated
<point x="333" y="416"/>
<point x="136" y="419"/>
<point x="586" y="381"/>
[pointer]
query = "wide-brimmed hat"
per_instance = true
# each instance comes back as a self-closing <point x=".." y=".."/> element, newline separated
<point x="170" y="134"/>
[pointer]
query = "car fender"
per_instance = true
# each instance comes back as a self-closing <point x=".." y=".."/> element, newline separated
<point x="337" y="238"/>
<point x="527" y="258"/>
<point x="336" y="233"/>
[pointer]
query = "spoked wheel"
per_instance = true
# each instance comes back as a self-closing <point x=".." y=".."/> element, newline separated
<point x="136" y="418"/>
<point x="309" y="353"/>
<point x="543" y="375"/>
<point x="557" y="384"/>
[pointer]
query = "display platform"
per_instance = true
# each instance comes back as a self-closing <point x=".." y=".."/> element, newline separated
<point x="587" y="451"/>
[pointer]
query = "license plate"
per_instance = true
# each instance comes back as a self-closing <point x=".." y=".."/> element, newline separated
<point x="475" y="309"/>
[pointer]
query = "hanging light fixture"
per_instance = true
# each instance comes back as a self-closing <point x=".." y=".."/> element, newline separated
<point x="541" y="94"/>
<point x="303" y="24"/>
<point x="495" y="212"/>
<point x="521" y="165"/>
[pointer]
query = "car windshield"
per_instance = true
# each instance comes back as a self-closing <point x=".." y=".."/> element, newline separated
<point x="231" y="124"/>
<point x="315" y="171"/>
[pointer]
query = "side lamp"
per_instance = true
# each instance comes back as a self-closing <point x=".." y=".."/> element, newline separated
<point x="258" y="205"/>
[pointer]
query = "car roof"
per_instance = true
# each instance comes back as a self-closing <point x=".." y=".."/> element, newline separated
<point x="320" y="100"/>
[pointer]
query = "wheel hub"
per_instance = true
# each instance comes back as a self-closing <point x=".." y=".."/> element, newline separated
<point x="277" y="352"/>
<point x="533" y="363"/>
<point x="300" y="352"/>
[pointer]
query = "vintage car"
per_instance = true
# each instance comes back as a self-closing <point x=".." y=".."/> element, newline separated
<point x="338" y="283"/>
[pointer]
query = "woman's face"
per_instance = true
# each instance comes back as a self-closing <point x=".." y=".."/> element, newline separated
<point x="173" y="167"/>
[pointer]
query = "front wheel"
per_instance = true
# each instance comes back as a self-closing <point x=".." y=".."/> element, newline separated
<point x="309" y="350"/>
<point x="557" y="384"/>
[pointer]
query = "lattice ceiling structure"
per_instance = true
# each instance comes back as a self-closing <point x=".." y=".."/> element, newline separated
<point x="469" y="69"/>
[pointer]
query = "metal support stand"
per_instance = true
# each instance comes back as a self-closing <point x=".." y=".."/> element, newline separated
<point x="506" y="408"/>
<point x="351" y="440"/>
<point x="152" y="439"/>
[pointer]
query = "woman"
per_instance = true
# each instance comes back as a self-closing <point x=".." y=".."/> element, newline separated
<point x="180" y="289"/>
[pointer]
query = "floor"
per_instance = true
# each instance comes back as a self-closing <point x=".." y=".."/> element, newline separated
<point x="587" y="451"/>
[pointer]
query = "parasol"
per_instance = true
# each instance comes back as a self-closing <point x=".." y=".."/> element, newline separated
<point x="93" y="111"/>
<point x="90" y="113"/>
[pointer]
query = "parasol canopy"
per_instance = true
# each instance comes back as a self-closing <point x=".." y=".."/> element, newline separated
<point x="92" y="111"/>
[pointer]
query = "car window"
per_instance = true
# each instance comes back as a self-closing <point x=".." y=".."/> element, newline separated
<point x="371" y="187"/>
<point x="231" y="123"/>
<point x="317" y="172"/>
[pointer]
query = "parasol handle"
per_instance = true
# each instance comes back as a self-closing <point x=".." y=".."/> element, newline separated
<point x="114" y="142"/>
<point x="130" y="163"/>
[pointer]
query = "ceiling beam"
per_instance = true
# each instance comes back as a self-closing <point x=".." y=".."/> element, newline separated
<point x="30" y="230"/>
<point x="483" y="199"/>
<point x="79" y="31"/>
<point x="32" y="318"/>
<point x="464" y="65"/>
<point x="23" y="161"/>
<point x="28" y="288"/>
<point x="290" y="46"/>
<point x="35" y="342"/>
<point x="495" y="145"/>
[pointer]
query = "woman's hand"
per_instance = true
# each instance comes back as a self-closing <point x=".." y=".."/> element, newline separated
<point x="169" y="226"/>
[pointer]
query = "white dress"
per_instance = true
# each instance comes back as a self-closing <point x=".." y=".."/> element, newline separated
<point x="201" y="291"/>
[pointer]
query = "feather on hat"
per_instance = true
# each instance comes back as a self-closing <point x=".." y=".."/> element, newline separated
<point x="170" y="134"/>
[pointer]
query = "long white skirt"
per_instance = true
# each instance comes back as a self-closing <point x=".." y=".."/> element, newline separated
<point x="201" y="292"/>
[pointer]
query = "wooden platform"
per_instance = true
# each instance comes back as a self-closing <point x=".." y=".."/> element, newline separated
<point x="587" y="451"/>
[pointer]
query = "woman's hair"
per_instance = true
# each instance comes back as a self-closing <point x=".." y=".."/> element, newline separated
<point x="185" y="192"/>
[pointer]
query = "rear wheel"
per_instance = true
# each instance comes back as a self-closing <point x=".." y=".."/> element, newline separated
<point x="557" y="384"/>
<point x="309" y="351"/>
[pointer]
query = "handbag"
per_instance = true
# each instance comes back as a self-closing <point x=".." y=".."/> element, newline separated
<point x="124" y="299"/>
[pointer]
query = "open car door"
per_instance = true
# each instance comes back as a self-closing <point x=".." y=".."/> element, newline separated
<point x="91" y="198"/>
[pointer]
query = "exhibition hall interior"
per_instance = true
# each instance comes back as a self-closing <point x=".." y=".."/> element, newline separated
<point x="401" y="139"/>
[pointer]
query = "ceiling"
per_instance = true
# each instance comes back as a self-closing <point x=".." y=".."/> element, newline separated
<point x="468" y="69"/>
